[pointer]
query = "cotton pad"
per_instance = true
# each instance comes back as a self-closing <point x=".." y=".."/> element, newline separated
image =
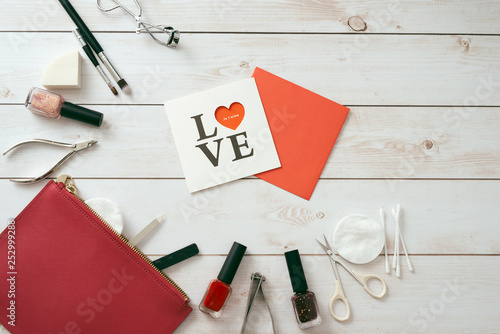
<point x="108" y="211"/>
<point x="358" y="239"/>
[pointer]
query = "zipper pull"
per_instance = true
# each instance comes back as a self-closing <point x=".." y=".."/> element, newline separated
<point x="68" y="182"/>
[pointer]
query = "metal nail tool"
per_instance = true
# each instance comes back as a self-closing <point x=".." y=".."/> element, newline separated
<point x="256" y="280"/>
<point x="339" y="291"/>
<point x="74" y="148"/>
<point x="142" y="26"/>
<point x="146" y="231"/>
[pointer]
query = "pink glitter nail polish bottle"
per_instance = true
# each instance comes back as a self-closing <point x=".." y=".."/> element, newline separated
<point x="50" y="104"/>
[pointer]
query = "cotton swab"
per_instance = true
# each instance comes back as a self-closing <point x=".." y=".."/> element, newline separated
<point x="395" y="213"/>
<point x="396" y="245"/>
<point x="382" y="218"/>
<point x="410" y="265"/>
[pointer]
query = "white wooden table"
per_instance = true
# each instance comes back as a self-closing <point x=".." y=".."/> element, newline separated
<point x="423" y="84"/>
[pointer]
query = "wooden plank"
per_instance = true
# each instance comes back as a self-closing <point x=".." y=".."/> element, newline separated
<point x="389" y="16"/>
<point x="445" y="295"/>
<point x="439" y="217"/>
<point x="369" y="70"/>
<point x="389" y="143"/>
<point x="401" y="146"/>
<point x="452" y="294"/>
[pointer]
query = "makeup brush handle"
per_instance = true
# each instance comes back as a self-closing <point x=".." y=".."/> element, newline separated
<point x="90" y="54"/>
<point x="81" y="25"/>
<point x="104" y="59"/>
<point x="176" y="257"/>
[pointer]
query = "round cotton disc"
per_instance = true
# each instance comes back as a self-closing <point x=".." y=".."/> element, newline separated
<point x="108" y="211"/>
<point x="358" y="239"/>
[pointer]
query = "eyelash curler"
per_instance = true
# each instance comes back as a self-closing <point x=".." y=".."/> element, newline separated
<point x="142" y="26"/>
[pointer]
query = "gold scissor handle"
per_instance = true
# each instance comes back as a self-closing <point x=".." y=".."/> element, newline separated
<point x="339" y="295"/>
<point x="363" y="279"/>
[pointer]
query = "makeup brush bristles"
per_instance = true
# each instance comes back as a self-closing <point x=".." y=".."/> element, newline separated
<point x="124" y="86"/>
<point x="113" y="89"/>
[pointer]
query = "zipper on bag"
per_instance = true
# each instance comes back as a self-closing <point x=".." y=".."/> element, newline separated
<point x="69" y="185"/>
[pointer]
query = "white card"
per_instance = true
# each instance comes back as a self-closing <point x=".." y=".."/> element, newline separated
<point x="222" y="134"/>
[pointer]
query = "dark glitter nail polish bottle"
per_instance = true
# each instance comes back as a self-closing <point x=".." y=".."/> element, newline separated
<point x="304" y="301"/>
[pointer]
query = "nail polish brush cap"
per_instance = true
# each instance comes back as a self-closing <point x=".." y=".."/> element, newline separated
<point x="297" y="276"/>
<point x="232" y="263"/>
<point x="82" y="114"/>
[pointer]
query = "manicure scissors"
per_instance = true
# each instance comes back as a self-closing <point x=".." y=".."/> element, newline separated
<point x="339" y="291"/>
<point x="142" y="26"/>
<point x="75" y="148"/>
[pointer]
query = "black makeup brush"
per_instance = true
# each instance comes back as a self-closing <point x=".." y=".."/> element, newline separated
<point x="89" y="37"/>
<point x="93" y="59"/>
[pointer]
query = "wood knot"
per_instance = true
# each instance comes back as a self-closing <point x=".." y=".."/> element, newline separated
<point x="356" y="23"/>
<point x="297" y="215"/>
<point x="6" y="92"/>
<point x="320" y="215"/>
<point x="464" y="43"/>
<point x="427" y="144"/>
<point x="244" y="64"/>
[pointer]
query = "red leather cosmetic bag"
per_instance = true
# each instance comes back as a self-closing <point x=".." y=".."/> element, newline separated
<point x="64" y="270"/>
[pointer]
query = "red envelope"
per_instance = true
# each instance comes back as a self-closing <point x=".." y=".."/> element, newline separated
<point x="304" y="126"/>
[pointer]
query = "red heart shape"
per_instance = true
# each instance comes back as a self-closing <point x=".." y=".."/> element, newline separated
<point x="230" y="118"/>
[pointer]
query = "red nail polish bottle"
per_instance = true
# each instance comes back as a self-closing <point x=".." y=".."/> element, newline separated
<point x="219" y="290"/>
